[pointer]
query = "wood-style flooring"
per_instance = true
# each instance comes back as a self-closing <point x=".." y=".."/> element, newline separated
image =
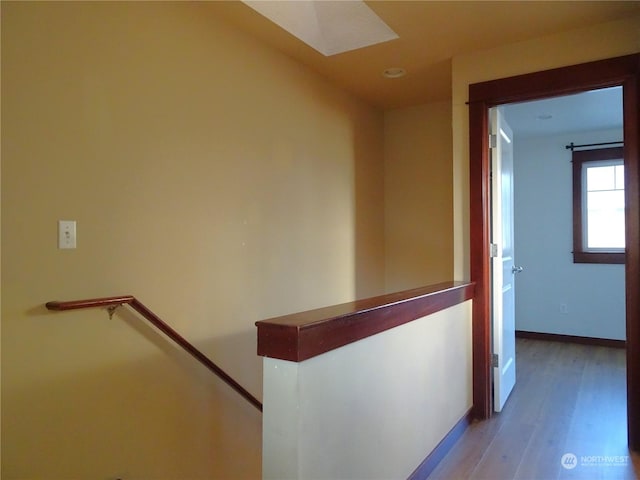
<point x="569" y="399"/>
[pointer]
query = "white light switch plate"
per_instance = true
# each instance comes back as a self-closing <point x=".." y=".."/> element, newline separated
<point x="66" y="234"/>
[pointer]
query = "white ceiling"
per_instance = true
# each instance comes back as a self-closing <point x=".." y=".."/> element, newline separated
<point x="582" y="112"/>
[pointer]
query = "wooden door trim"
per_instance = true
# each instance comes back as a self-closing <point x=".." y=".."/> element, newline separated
<point x="623" y="71"/>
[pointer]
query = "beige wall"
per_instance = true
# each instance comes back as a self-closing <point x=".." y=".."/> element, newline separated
<point x="418" y="196"/>
<point x="214" y="179"/>
<point x="220" y="183"/>
<point x="373" y="409"/>
<point x="598" y="42"/>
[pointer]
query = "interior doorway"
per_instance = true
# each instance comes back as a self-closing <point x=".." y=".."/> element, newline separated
<point x="557" y="297"/>
<point x="621" y="71"/>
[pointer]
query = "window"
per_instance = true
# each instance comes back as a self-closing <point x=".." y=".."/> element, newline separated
<point x="598" y="206"/>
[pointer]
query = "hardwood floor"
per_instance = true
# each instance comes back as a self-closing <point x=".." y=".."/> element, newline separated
<point x="569" y="401"/>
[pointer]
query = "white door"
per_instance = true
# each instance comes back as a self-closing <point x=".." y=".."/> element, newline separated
<point x="503" y="269"/>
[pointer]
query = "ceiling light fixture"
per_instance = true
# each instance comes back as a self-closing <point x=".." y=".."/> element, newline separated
<point x="394" y="72"/>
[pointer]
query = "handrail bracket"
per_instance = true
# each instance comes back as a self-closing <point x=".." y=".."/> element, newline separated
<point x="112" y="309"/>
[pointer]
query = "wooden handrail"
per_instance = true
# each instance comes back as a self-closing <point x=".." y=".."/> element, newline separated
<point x="300" y="336"/>
<point x="164" y="328"/>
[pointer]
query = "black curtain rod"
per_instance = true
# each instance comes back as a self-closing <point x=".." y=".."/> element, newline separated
<point x="571" y="146"/>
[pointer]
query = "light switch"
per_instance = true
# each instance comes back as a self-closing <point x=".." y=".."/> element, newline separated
<point x="66" y="234"/>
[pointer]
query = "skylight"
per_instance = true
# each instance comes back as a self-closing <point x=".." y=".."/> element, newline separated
<point x="330" y="27"/>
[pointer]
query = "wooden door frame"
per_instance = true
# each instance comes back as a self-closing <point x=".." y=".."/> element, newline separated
<point x="620" y="71"/>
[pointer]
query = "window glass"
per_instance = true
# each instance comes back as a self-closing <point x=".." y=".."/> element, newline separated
<point x="620" y="177"/>
<point x="605" y="206"/>
<point x="605" y="219"/>
<point x="601" y="178"/>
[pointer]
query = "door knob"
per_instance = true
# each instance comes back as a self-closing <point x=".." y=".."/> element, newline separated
<point x="515" y="269"/>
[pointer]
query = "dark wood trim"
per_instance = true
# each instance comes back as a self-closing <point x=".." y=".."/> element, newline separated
<point x="164" y="328"/>
<point x="623" y="71"/>
<point x="579" y="158"/>
<point x="599" y="257"/>
<point x="558" y="81"/>
<point x="479" y="191"/>
<point x="595" y="154"/>
<point x="304" y="335"/>
<point x="631" y="106"/>
<point x="556" y="337"/>
<point x="430" y="463"/>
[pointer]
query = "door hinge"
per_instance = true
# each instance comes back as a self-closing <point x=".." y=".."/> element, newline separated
<point x="493" y="140"/>
<point x="494" y="360"/>
<point x="493" y="250"/>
